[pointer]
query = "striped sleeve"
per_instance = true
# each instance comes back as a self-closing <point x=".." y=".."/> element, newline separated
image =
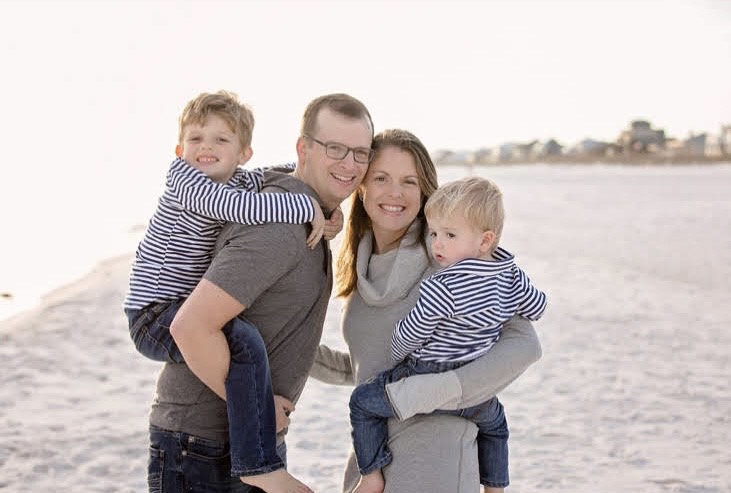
<point x="252" y="180"/>
<point x="435" y="303"/>
<point x="533" y="302"/>
<point x="198" y="193"/>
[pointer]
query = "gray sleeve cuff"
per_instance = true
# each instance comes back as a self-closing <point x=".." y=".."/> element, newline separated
<point x="422" y="394"/>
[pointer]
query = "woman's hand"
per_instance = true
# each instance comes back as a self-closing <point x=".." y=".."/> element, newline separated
<point x="282" y="408"/>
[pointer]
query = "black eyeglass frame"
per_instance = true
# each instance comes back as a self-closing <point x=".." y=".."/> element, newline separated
<point x="329" y="149"/>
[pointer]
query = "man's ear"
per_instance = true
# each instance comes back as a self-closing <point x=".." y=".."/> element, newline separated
<point x="301" y="147"/>
<point x="246" y="155"/>
<point x="488" y="239"/>
<point x="179" y="150"/>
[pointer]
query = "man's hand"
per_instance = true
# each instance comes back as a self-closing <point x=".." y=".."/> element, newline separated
<point x="318" y="225"/>
<point x="282" y="407"/>
<point x="334" y="225"/>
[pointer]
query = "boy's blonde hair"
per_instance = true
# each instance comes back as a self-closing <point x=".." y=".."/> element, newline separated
<point x="478" y="200"/>
<point x="225" y="105"/>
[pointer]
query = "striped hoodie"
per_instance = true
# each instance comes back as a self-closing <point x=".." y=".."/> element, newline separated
<point x="181" y="235"/>
<point x="461" y="309"/>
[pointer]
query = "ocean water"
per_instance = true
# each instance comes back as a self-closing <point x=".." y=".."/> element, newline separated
<point x="78" y="226"/>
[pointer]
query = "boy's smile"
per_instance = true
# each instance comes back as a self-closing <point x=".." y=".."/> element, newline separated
<point x="213" y="148"/>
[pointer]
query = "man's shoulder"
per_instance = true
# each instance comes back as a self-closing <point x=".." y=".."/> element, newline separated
<point x="289" y="239"/>
<point x="277" y="182"/>
<point x="285" y="235"/>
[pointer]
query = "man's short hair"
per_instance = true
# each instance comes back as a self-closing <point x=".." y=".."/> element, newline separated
<point x="340" y="103"/>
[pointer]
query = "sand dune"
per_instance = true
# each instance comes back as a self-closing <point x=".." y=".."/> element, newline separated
<point x="632" y="392"/>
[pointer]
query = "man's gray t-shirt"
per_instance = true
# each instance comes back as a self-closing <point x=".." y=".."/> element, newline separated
<point x="285" y="288"/>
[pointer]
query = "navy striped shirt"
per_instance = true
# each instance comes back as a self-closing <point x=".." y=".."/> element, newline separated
<point x="178" y="244"/>
<point x="462" y="308"/>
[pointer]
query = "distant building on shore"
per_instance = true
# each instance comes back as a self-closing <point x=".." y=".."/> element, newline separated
<point x="724" y="140"/>
<point x="642" y="138"/>
<point x="640" y="143"/>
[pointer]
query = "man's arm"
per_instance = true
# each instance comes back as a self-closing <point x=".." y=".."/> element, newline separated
<point x="197" y="331"/>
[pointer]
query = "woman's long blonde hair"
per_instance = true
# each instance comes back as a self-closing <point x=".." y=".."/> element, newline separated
<point x="359" y="223"/>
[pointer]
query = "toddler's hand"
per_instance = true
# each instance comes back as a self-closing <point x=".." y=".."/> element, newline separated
<point x="334" y="225"/>
<point x="282" y="407"/>
<point x="318" y="225"/>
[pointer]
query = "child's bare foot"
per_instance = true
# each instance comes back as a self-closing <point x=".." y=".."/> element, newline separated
<point x="371" y="483"/>
<point x="279" y="481"/>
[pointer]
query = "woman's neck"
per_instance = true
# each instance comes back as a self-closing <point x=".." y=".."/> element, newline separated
<point x="386" y="240"/>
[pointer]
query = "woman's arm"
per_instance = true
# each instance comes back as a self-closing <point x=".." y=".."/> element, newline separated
<point x="332" y="367"/>
<point x="517" y="349"/>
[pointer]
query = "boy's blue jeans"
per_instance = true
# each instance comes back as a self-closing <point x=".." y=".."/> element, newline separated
<point x="182" y="462"/>
<point x="251" y="413"/>
<point x="370" y="410"/>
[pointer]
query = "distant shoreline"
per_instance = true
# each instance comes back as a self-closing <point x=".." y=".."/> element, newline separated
<point x="637" y="160"/>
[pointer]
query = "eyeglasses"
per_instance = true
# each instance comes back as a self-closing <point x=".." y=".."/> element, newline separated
<point x="336" y="150"/>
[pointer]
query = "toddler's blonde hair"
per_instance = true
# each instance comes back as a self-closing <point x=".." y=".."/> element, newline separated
<point x="478" y="200"/>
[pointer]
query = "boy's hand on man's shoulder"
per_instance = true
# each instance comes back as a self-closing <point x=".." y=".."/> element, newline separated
<point x="334" y="225"/>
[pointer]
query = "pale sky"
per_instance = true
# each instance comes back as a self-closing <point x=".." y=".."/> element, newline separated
<point x="459" y="74"/>
<point x="94" y="88"/>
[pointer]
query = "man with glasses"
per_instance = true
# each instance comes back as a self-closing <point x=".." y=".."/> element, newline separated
<point x="338" y="151"/>
<point x="267" y="274"/>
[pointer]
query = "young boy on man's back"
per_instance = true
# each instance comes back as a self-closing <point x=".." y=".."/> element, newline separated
<point x="205" y="188"/>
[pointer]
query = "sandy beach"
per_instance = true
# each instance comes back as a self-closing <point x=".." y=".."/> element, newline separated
<point x="632" y="392"/>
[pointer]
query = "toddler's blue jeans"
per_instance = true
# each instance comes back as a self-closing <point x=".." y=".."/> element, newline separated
<point x="370" y="410"/>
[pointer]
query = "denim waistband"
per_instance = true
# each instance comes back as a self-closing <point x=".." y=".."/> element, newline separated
<point x="434" y="366"/>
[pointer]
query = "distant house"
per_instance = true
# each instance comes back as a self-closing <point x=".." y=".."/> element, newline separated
<point x="505" y="151"/>
<point x="516" y="151"/>
<point x="441" y="156"/>
<point x="696" y="145"/>
<point x="674" y="147"/>
<point x="591" y="147"/>
<point x="483" y="155"/>
<point x="641" y="137"/>
<point x="724" y="140"/>
<point x="551" y="148"/>
<point x="525" y="151"/>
